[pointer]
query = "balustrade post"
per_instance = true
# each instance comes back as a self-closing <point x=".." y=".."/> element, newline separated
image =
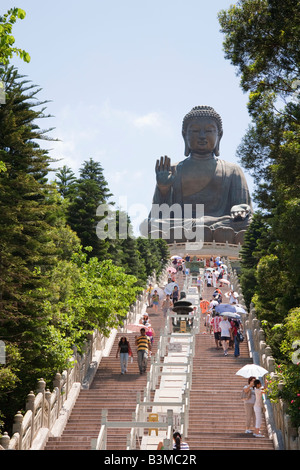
<point x="57" y="384"/>
<point x="104" y="423"/>
<point x="48" y="401"/>
<point x="4" y="441"/>
<point x="41" y="387"/>
<point x="17" y="427"/>
<point x="271" y="363"/>
<point x="262" y="346"/>
<point x="30" y="405"/>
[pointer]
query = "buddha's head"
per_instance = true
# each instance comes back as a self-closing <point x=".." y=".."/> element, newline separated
<point x="202" y="131"/>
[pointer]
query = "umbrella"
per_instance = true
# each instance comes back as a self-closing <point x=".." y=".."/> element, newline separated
<point x="250" y="370"/>
<point x="230" y="314"/>
<point x="176" y="257"/>
<point x="171" y="270"/>
<point x="230" y="308"/>
<point x="170" y="287"/>
<point x="224" y="281"/>
<point x="225" y="308"/>
<point x="135" y="328"/>
<point x="159" y="291"/>
<point x="240" y="309"/>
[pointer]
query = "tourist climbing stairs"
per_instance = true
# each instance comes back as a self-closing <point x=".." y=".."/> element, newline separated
<point x="217" y="418"/>
<point x="216" y="411"/>
<point x="111" y="391"/>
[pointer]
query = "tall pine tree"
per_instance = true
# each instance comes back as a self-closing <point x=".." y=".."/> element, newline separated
<point x="27" y="214"/>
<point x="65" y="180"/>
<point x="90" y="191"/>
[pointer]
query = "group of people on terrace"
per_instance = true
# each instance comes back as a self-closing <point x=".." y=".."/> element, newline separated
<point x="226" y="328"/>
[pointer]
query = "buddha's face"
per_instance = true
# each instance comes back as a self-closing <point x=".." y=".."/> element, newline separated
<point x="202" y="137"/>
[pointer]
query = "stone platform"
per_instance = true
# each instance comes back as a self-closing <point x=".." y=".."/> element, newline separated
<point x="206" y="249"/>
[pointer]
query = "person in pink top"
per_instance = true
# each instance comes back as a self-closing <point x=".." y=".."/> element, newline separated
<point x="215" y="321"/>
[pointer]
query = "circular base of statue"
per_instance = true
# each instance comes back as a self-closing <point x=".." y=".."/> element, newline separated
<point x="179" y="231"/>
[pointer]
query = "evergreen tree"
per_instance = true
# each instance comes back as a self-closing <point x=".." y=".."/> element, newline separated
<point x="65" y="181"/>
<point x="90" y="191"/>
<point x="256" y="242"/>
<point x="154" y="253"/>
<point x="27" y="250"/>
<point x="24" y="206"/>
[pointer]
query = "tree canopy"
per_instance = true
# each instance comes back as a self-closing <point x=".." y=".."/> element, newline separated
<point x="7" y="40"/>
<point x="58" y="281"/>
<point x="261" y="39"/>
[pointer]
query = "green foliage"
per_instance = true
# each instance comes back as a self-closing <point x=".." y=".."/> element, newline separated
<point x="286" y="385"/>
<point x="66" y="181"/>
<point x="58" y="281"/>
<point x="7" y="40"/>
<point x="262" y="42"/>
<point x="88" y="192"/>
<point x="286" y="382"/>
<point x="53" y="292"/>
<point x="255" y="241"/>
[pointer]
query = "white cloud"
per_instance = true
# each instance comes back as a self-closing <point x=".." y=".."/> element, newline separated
<point x="153" y="120"/>
<point x="116" y="177"/>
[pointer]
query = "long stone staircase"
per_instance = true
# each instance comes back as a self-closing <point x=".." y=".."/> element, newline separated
<point x="111" y="391"/>
<point x="216" y="417"/>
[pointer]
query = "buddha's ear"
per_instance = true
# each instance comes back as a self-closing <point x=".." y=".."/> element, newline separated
<point x="186" y="147"/>
<point x="217" y="148"/>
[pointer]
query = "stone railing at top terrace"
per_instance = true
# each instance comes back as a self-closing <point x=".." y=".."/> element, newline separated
<point x="47" y="412"/>
<point x="285" y="437"/>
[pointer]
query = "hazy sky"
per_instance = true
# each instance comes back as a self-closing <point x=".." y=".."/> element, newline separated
<point x="121" y="75"/>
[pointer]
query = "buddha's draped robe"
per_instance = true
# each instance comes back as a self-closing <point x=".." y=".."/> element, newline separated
<point x="225" y="188"/>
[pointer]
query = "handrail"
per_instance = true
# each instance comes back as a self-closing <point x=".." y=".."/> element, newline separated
<point x="100" y="442"/>
<point x="156" y="370"/>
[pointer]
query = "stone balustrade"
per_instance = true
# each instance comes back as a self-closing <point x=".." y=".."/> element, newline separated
<point x="46" y="412"/>
<point x="285" y="436"/>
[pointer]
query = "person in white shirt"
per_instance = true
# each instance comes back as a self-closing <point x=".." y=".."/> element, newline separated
<point x="249" y="404"/>
<point x="225" y="327"/>
<point x="215" y="278"/>
<point x="232" y="297"/>
<point x="207" y="323"/>
<point x="258" y="407"/>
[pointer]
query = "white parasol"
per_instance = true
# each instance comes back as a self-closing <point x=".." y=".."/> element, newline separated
<point x="230" y="314"/>
<point x="170" y="287"/>
<point x="250" y="370"/>
<point x="134" y="328"/>
<point x="224" y="281"/>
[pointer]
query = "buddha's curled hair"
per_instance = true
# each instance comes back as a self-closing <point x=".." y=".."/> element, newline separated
<point x="202" y="111"/>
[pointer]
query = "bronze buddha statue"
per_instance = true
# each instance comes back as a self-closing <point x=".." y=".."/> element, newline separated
<point x="202" y="178"/>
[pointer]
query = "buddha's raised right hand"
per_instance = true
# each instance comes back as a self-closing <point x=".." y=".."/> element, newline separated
<point x="164" y="173"/>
